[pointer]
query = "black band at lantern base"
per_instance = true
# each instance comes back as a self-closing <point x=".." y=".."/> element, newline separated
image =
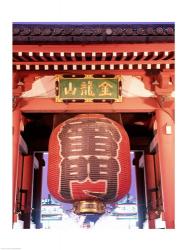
<point x="89" y="207"/>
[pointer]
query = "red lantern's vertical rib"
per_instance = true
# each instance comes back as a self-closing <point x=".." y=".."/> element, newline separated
<point x="16" y="136"/>
<point x="124" y="156"/>
<point x="54" y="164"/>
<point x="166" y="157"/>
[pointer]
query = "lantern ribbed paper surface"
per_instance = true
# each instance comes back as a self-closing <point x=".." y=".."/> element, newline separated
<point x="89" y="160"/>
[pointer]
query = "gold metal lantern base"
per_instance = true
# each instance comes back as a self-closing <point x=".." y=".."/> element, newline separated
<point x="89" y="207"/>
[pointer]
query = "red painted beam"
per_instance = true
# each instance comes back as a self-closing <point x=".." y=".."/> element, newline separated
<point x="83" y="72"/>
<point x="98" y="48"/>
<point x="48" y="105"/>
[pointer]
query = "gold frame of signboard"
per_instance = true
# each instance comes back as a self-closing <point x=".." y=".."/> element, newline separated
<point x="89" y="89"/>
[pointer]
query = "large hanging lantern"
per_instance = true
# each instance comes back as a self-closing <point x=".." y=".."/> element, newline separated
<point x="89" y="162"/>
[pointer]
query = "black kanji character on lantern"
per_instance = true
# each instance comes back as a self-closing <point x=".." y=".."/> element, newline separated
<point x="88" y="149"/>
<point x="105" y="169"/>
<point x="89" y="137"/>
<point x="74" y="169"/>
<point x="95" y="169"/>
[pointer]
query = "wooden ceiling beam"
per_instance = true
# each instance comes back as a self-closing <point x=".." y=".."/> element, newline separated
<point x="96" y="62"/>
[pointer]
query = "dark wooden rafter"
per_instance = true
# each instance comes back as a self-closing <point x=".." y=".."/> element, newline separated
<point x="93" y="57"/>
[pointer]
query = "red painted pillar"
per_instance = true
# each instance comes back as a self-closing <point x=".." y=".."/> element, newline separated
<point x="166" y="160"/>
<point x="27" y="188"/>
<point x="150" y="187"/>
<point x="37" y="195"/>
<point x="16" y="137"/>
<point x="159" y="198"/>
<point x="141" y="206"/>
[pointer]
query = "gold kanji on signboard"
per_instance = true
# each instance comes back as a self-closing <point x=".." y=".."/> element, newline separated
<point x="89" y="89"/>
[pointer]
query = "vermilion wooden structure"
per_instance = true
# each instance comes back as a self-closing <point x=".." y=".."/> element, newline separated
<point x="152" y="61"/>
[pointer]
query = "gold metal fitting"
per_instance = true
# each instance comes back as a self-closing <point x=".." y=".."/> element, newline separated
<point x="89" y="207"/>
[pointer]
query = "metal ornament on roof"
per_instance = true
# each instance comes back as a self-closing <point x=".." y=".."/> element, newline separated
<point x="89" y="162"/>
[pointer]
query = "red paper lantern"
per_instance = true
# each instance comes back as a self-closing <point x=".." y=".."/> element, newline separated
<point x="89" y="162"/>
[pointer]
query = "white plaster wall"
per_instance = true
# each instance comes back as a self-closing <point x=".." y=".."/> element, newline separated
<point x="134" y="87"/>
<point x="45" y="87"/>
<point x="42" y="87"/>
